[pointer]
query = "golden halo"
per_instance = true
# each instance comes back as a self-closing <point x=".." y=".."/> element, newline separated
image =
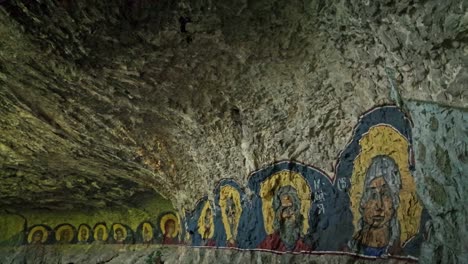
<point x="201" y="221"/>
<point x="268" y="190"/>
<point x="164" y="219"/>
<point x="149" y="227"/>
<point x="45" y="233"/>
<point x="83" y="227"/>
<point x="105" y="234"/>
<point x="58" y="232"/>
<point x="385" y="140"/>
<point x="124" y="230"/>
<point x="226" y="192"/>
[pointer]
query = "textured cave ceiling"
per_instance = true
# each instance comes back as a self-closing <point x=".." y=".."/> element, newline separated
<point x="103" y="100"/>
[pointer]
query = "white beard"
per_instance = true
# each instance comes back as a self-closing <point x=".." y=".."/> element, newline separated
<point x="289" y="233"/>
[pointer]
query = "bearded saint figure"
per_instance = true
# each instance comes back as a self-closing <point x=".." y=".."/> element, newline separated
<point x="287" y="223"/>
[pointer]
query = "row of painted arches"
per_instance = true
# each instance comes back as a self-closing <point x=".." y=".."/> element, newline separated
<point x="167" y="231"/>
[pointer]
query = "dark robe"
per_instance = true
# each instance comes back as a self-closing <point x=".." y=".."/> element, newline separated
<point x="168" y="240"/>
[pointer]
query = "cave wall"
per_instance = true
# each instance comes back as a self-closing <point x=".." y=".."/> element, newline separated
<point x="20" y="227"/>
<point x="102" y="101"/>
<point x="441" y="152"/>
<point x="329" y="209"/>
<point x="136" y="254"/>
<point x="410" y="145"/>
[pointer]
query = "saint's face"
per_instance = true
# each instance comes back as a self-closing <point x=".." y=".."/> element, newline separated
<point x="100" y="234"/>
<point x="287" y="210"/>
<point x="37" y="237"/>
<point x="170" y="227"/>
<point x="378" y="209"/>
<point x="83" y="234"/>
<point x="65" y="235"/>
<point x="119" y="234"/>
<point x="286" y="200"/>
<point x="208" y="217"/>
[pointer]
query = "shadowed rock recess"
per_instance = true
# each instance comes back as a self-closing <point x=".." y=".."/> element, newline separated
<point x="243" y="131"/>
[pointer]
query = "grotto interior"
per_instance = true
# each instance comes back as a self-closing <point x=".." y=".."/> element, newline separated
<point x="242" y="131"/>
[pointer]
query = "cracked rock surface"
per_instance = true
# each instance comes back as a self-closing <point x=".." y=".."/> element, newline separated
<point x="175" y="96"/>
<point x="101" y="101"/>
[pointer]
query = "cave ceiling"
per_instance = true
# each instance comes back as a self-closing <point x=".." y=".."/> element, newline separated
<point x="104" y="100"/>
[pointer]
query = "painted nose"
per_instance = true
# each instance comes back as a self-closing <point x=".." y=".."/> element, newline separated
<point x="379" y="203"/>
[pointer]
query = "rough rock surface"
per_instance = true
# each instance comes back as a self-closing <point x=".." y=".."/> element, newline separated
<point x="441" y="151"/>
<point x="170" y="255"/>
<point x="177" y="96"/>
<point x="101" y="101"/>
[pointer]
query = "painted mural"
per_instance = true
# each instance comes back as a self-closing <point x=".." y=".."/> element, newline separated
<point x="146" y="233"/>
<point x="229" y="199"/>
<point x="121" y="234"/>
<point x="84" y="234"/>
<point x="201" y="224"/>
<point x="65" y="234"/>
<point x="376" y="166"/>
<point x="170" y="228"/>
<point x="39" y="234"/>
<point x="369" y="207"/>
<point x="100" y="233"/>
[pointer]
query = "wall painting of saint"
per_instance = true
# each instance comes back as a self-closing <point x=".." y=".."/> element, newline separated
<point x="170" y="228"/>
<point x="386" y="209"/>
<point x="206" y="226"/>
<point x="38" y="235"/>
<point x="84" y="234"/>
<point x="64" y="234"/>
<point x="121" y="234"/>
<point x="145" y="233"/>
<point x="100" y="233"/>
<point x="286" y="202"/>
<point x="231" y="210"/>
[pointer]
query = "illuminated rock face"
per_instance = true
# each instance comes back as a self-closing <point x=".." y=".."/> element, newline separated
<point x="252" y="107"/>
<point x="369" y="207"/>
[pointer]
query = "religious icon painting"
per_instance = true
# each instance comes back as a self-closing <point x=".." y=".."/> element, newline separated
<point x="84" y="234"/>
<point x="65" y="234"/>
<point x="386" y="212"/>
<point x="169" y="225"/>
<point x="38" y="235"/>
<point x="100" y="233"/>
<point x="229" y="200"/>
<point x="145" y="233"/>
<point x="121" y="234"/>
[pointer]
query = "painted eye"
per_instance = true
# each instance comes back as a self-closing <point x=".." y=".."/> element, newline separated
<point x="386" y="193"/>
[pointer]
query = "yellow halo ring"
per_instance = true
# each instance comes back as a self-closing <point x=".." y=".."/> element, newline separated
<point x="124" y="230"/>
<point x="45" y="233"/>
<point x="59" y="230"/>
<point x="81" y="227"/>
<point x="148" y="226"/>
<point x="225" y="192"/>
<point x="105" y="234"/>
<point x="268" y="190"/>
<point x="386" y="140"/>
<point x="201" y="221"/>
<point x="164" y="219"/>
